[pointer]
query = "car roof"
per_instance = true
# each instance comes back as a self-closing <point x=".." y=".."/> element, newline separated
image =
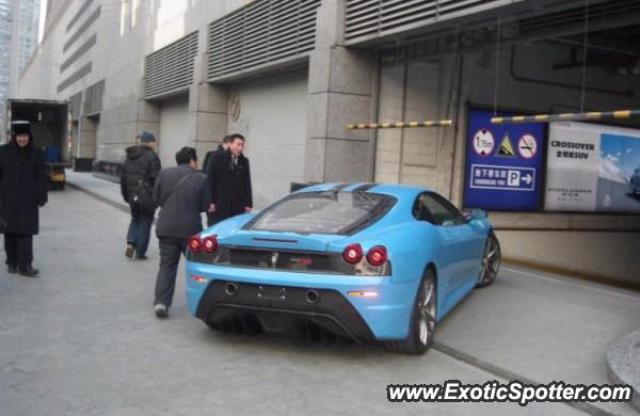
<point x="396" y="190"/>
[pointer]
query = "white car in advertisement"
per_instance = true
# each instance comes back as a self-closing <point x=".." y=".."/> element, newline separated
<point x="634" y="181"/>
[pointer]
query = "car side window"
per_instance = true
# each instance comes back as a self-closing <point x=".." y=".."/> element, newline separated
<point x="436" y="210"/>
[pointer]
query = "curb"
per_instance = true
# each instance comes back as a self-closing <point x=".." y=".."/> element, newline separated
<point x="588" y="408"/>
<point x="118" y="205"/>
<point x="623" y="364"/>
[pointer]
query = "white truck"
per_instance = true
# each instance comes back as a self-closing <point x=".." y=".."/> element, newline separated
<point x="50" y="125"/>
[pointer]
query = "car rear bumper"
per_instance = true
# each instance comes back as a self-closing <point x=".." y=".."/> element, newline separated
<point x="277" y="301"/>
<point x="281" y="310"/>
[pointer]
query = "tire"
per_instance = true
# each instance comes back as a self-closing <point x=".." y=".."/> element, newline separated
<point x="423" y="319"/>
<point x="491" y="260"/>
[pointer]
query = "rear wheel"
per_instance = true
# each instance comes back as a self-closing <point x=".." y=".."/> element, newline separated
<point x="423" y="319"/>
<point x="491" y="259"/>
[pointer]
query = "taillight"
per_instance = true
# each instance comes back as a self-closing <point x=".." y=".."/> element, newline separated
<point x="210" y="244"/>
<point x="195" y="244"/>
<point x="352" y="253"/>
<point x="377" y="256"/>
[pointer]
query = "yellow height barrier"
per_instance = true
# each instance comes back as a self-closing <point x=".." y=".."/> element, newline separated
<point x="546" y="118"/>
<point x="402" y="125"/>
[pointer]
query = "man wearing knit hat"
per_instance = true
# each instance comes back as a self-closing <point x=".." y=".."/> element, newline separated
<point x="137" y="179"/>
<point x="23" y="191"/>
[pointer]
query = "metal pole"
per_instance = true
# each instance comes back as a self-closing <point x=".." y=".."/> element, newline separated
<point x="402" y="125"/>
<point x="546" y="118"/>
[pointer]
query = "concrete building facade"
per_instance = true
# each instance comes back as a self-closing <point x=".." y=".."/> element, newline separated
<point x="291" y="75"/>
<point x="19" y="24"/>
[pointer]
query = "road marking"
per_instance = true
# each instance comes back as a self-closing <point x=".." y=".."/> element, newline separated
<point x="572" y="280"/>
<point x="586" y="407"/>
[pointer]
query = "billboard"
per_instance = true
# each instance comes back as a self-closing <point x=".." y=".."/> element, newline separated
<point x="592" y="168"/>
<point x="503" y="164"/>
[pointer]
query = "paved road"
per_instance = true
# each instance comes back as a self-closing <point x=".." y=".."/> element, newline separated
<point x="82" y="340"/>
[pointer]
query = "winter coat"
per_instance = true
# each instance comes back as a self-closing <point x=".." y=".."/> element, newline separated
<point x="181" y="207"/>
<point x="142" y="165"/>
<point x="230" y="185"/>
<point x="23" y="187"/>
<point x="209" y="157"/>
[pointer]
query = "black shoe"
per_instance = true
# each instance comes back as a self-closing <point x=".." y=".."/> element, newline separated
<point x="129" y="251"/>
<point x="12" y="269"/>
<point x="141" y="257"/>
<point x="161" y="311"/>
<point x="29" y="272"/>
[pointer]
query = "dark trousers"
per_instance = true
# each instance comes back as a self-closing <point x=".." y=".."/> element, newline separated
<point x="140" y="230"/>
<point x="213" y="219"/>
<point x="19" y="249"/>
<point x="171" y="248"/>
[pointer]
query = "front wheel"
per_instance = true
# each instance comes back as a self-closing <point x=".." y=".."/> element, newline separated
<point x="423" y="319"/>
<point x="491" y="259"/>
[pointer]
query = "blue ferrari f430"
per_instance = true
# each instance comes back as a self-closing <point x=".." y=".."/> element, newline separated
<point x="368" y="262"/>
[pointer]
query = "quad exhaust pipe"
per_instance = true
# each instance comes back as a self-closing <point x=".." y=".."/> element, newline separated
<point x="312" y="296"/>
<point x="231" y="289"/>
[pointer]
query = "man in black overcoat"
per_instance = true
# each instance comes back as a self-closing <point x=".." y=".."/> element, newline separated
<point x="230" y="180"/>
<point x="206" y="168"/>
<point x="23" y="189"/>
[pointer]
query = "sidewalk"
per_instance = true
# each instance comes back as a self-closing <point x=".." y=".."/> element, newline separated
<point x="101" y="189"/>
<point x="541" y="327"/>
<point x="531" y="326"/>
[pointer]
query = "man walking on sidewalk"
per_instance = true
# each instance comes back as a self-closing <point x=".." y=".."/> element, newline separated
<point x="182" y="193"/>
<point x="138" y="176"/>
<point x="230" y="181"/>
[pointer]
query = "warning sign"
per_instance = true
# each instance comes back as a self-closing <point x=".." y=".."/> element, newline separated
<point x="505" y="149"/>
<point x="503" y="163"/>
<point x="527" y="146"/>
<point x="483" y="142"/>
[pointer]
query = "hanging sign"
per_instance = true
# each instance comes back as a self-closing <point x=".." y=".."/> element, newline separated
<point x="503" y="164"/>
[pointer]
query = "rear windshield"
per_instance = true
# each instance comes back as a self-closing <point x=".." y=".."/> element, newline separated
<point x="323" y="213"/>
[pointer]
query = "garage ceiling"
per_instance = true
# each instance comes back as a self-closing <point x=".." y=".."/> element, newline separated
<point x="613" y="27"/>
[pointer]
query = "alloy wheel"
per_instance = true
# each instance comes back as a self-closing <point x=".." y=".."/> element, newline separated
<point x="490" y="262"/>
<point x="427" y="312"/>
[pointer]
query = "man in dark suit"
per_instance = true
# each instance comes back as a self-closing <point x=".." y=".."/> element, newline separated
<point x="182" y="193"/>
<point x="230" y="180"/>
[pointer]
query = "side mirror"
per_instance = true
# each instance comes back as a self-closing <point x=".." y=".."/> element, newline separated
<point x="474" y="214"/>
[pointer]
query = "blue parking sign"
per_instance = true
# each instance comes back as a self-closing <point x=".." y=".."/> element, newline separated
<point x="503" y="164"/>
<point x="514" y="178"/>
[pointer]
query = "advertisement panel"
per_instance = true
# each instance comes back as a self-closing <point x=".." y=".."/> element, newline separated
<point x="503" y="164"/>
<point x="592" y="168"/>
